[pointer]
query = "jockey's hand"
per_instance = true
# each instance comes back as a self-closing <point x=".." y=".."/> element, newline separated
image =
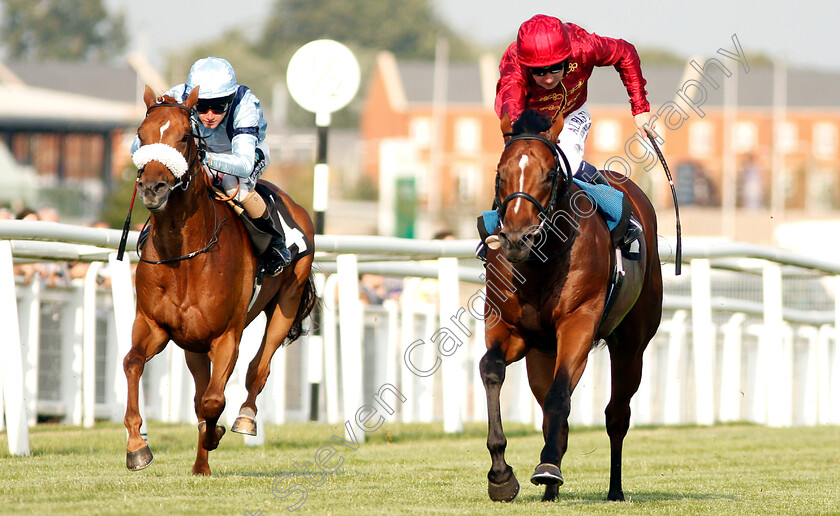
<point x="642" y="120"/>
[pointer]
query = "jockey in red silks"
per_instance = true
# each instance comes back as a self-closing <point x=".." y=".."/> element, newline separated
<point x="547" y="69"/>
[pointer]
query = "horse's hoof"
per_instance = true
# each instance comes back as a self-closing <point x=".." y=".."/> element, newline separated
<point x="551" y="493"/>
<point x="547" y="475"/>
<point x="220" y="431"/>
<point x="139" y="459"/>
<point x="203" y="471"/>
<point x="504" y="492"/>
<point x="244" y="425"/>
<point x="615" y="497"/>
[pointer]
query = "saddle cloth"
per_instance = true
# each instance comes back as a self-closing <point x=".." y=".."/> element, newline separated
<point x="296" y="240"/>
<point x="609" y="202"/>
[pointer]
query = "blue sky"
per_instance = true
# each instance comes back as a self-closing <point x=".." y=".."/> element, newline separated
<point x="803" y="33"/>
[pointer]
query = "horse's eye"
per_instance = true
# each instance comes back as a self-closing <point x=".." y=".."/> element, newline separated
<point x="186" y="138"/>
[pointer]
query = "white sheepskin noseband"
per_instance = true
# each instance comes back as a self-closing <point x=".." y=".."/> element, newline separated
<point x="163" y="153"/>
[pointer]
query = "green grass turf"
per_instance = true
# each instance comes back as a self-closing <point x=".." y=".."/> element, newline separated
<point x="417" y="469"/>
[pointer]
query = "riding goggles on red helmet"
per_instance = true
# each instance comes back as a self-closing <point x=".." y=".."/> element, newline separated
<point x="555" y="68"/>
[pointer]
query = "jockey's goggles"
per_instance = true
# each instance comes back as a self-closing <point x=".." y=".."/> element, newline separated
<point x="217" y="105"/>
<point x="555" y="68"/>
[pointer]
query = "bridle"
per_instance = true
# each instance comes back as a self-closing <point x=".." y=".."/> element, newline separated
<point x="559" y="187"/>
<point x="198" y="141"/>
<point x="198" y="146"/>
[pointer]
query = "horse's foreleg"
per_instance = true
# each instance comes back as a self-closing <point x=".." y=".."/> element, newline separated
<point x="223" y="353"/>
<point x="572" y="351"/>
<point x="502" y="485"/>
<point x="626" y="369"/>
<point x="540" y="367"/>
<point x="258" y="370"/>
<point x="146" y="343"/>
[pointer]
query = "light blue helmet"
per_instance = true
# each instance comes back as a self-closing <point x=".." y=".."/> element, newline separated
<point x="214" y="75"/>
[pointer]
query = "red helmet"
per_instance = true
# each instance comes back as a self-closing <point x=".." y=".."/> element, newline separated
<point x="542" y="41"/>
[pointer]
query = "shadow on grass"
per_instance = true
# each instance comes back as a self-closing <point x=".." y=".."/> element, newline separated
<point x="598" y="498"/>
<point x="282" y="474"/>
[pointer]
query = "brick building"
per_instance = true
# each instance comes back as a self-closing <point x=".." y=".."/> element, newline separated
<point x="454" y="178"/>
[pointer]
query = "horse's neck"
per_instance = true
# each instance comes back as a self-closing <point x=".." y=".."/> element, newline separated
<point x="187" y="220"/>
<point x="563" y="227"/>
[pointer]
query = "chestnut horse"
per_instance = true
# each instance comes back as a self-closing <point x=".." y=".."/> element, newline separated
<point x="546" y="293"/>
<point x="196" y="278"/>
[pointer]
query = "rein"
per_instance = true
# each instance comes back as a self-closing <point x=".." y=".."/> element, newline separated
<point x="214" y="238"/>
<point x="559" y="189"/>
<point x="559" y="161"/>
<point x="200" y="147"/>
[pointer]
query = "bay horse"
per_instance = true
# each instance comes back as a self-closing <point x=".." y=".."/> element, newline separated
<point x="196" y="278"/>
<point x="546" y="293"/>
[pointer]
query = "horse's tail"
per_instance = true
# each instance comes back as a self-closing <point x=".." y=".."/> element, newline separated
<point x="308" y="300"/>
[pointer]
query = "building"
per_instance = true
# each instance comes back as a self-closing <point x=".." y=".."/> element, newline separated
<point x="697" y="104"/>
<point x="434" y="131"/>
<point x="70" y="123"/>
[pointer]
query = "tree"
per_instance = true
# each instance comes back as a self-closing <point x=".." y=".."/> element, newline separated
<point x="61" y="29"/>
<point x="408" y="29"/>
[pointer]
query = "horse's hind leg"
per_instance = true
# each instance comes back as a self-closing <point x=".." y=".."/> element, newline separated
<point x="280" y="320"/>
<point x="147" y="341"/>
<point x="199" y="366"/>
<point x="626" y="370"/>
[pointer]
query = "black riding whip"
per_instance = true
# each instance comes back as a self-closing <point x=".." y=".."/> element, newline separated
<point x="678" y="262"/>
<point x="127" y="225"/>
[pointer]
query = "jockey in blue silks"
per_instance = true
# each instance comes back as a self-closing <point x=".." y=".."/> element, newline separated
<point x="233" y="128"/>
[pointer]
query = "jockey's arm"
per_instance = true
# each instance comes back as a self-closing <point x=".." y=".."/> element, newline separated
<point x="512" y="87"/>
<point x="623" y="56"/>
<point x="240" y="161"/>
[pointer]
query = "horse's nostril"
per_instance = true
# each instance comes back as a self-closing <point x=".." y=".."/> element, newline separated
<point x="529" y="239"/>
<point x="160" y="187"/>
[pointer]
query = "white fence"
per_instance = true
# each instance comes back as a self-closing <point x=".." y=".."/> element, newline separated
<point x="748" y="333"/>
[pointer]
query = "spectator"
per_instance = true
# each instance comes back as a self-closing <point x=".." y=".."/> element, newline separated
<point x="28" y="270"/>
<point x="79" y="270"/>
<point x="372" y="289"/>
<point x="55" y="273"/>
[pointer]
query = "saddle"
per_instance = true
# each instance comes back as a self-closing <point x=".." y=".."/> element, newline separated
<point x="282" y="221"/>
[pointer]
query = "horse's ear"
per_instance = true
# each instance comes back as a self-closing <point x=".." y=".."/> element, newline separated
<point x="506" y="126"/>
<point x="192" y="98"/>
<point x="554" y="131"/>
<point x="149" y="96"/>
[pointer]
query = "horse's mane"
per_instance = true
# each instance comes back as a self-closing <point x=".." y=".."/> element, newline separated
<point x="531" y="122"/>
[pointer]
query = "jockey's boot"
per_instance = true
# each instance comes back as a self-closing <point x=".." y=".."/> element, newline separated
<point x="634" y="231"/>
<point x="487" y="223"/>
<point x="276" y="256"/>
<point x="587" y="172"/>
